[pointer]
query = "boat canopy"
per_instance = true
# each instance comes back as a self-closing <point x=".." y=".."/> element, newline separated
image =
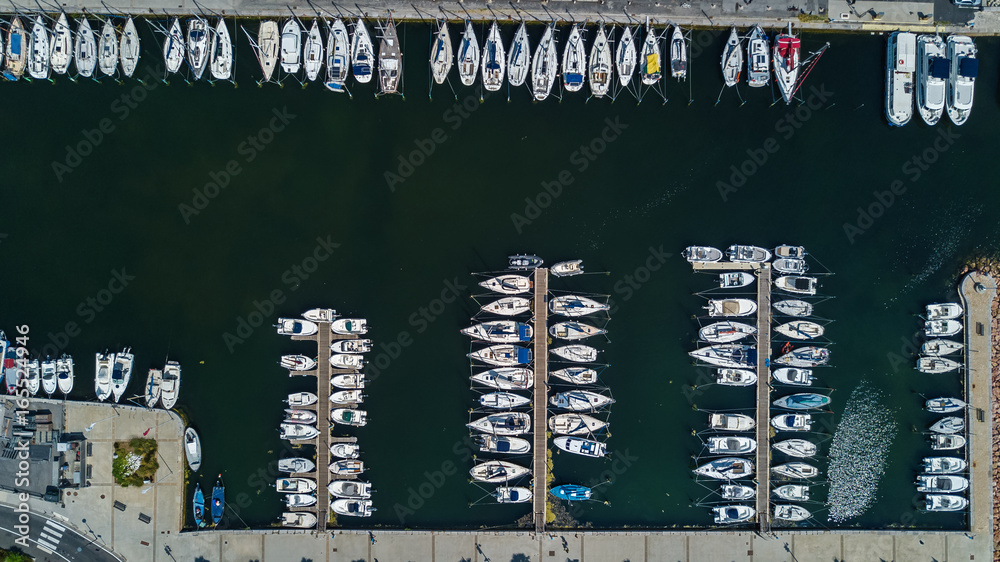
<point x="940" y="68"/>
<point x="15" y="44"/>
<point x="968" y="67"/>
<point x="652" y="63"/>
<point x="906" y="50"/>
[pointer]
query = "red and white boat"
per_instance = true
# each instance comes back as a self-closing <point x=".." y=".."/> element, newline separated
<point x="786" y="63"/>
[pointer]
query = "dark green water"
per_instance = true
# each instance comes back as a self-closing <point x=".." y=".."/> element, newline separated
<point x="323" y="176"/>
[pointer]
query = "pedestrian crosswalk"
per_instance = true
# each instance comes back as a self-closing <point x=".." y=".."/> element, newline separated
<point x="48" y="539"/>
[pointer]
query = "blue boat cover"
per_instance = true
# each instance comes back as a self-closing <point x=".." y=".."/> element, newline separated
<point x="15" y="45"/>
<point x="503" y="446"/>
<point x="574" y="79"/>
<point x="571" y="492"/>
<point x="968" y="68"/>
<point x="523" y="355"/>
<point x="362" y="69"/>
<point x="218" y="503"/>
<point x="524" y="332"/>
<point x="940" y="67"/>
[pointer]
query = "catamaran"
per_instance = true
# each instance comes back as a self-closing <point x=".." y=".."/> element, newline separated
<point x="197" y="46"/>
<point x="86" y="48"/>
<point x="575" y="424"/>
<point x="441" y="54"/>
<point x="504" y="355"/>
<point x="390" y="59"/>
<point x="38" y="50"/>
<point x="500" y="331"/>
<point x="574" y="60"/>
<point x="362" y="53"/>
<point x="509" y="284"/>
<point x="170" y="385"/>
<point x="468" y="55"/>
<point x="221" y="60"/>
<point x="312" y="52"/>
<point x="519" y="58"/>
<point x="545" y="65"/>
<point x="64" y="374"/>
<point x="625" y="56"/>
<point x="649" y="63"/>
<point x="338" y="58"/>
<point x="900" y="68"/>
<point x="502" y="445"/>
<point x="15" y="50"/>
<point x="129" y="48"/>
<point x="678" y="54"/>
<point x="758" y="59"/>
<point x="494" y="60"/>
<point x="574" y="305"/>
<point x="599" y="75"/>
<point x="932" y="77"/>
<point x="786" y="63"/>
<point x="732" y="59"/>
<point x="173" y="47"/>
<point x="796" y="448"/>
<point x="121" y="373"/>
<point x="61" y="45"/>
<point x="291" y="46"/>
<point x="267" y="48"/>
<point x="962" y="79"/>
<point x="575" y="375"/>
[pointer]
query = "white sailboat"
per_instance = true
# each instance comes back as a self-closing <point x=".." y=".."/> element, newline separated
<point x="962" y="78"/>
<point x="732" y="59"/>
<point x="649" y="62"/>
<point x="799" y="470"/>
<point x="794" y="307"/>
<point x="731" y="355"/>
<point x="785" y="56"/>
<point x="338" y="58"/>
<point x="796" y="448"/>
<point x="728" y="468"/>
<point x="576" y="353"/>
<point x="574" y="61"/>
<point x="800" y="330"/>
<point x="509" y="284"/>
<point x="497" y="471"/>
<point x="291" y="46"/>
<point x="503" y="400"/>
<point x="38" y="50"/>
<point x="362" y="53"/>
<point x="519" y="57"/>
<point x="625" y="56"/>
<point x="574" y="330"/>
<point x="678" y="54"/>
<point x="49" y="376"/>
<point x="61" y="45"/>
<point x="900" y="69"/>
<point x="16" y="50"/>
<point x="505" y="378"/>
<point x="580" y="401"/>
<point x="804" y="357"/>
<point x="500" y="331"/>
<point x="508" y="306"/>
<point x="312" y="52"/>
<point x="268" y="41"/>
<point x="86" y="48"/>
<point x="575" y="375"/>
<point x="197" y="46"/>
<point x="936" y="365"/>
<point x="507" y="423"/>
<point x="221" y="59"/>
<point x="129" y="48"/>
<point x="948" y="425"/>
<point x="571" y="267"/>
<point x="503" y="355"/>
<point x="545" y="64"/>
<point x="173" y="47"/>
<point x="494" y="60"/>
<point x="598" y="73"/>
<point x="442" y="56"/>
<point x="152" y="390"/>
<point x="468" y="55"/>
<point x="726" y="331"/>
<point x="932" y="77"/>
<point x="575" y="424"/>
<point x="390" y="59"/>
<point x="575" y="305"/>
<point x="944" y="405"/>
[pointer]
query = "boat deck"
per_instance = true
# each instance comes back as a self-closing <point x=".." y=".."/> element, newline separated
<point x="764" y="397"/>
<point x="541" y="422"/>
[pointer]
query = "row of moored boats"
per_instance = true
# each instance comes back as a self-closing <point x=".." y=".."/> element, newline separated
<point x="941" y="73"/>
<point x="21" y="372"/>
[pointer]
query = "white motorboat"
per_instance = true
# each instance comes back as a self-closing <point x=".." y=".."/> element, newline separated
<point x="268" y="43"/>
<point x="790" y="266"/>
<point x="121" y="373"/>
<point x="519" y="57"/>
<point x="793" y="492"/>
<point x="735" y="279"/>
<point x="338" y="62"/>
<point x="349" y="416"/>
<point x="49" y="377"/>
<point x="936" y="328"/>
<point x="299" y="500"/>
<point x="291" y="46"/>
<point x="152" y="392"/>
<point x="575" y="424"/>
<point x="220" y="60"/>
<point x="505" y="378"/>
<point x="128" y="48"/>
<point x="502" y="445"/>
<point x="785" y="57"/>
<point x="789" y="251"/>
<point x="312" y="52"/>
<point x="390" y="59"/>
<point x="797" y="284"/>
<point x="345" y="450"/>
<point x="758" y="59"/>
<point x="512" y="494"/>
<point x="728" y="468"/>
<point x="297" y="432"/>
<point x="107" y="49"/>
<point x="298" y="520"/>
<point x="508" y="306"/>
<point x="297" y="362"/>
<point x="442" y="57"/>
<point x="941" y="483"/>
<point x="792" y="422"/>
<point x="352" y="508"/>
<point x="939" y="347"/>
<point x="731" y="307"/>
<point x="192" y="448"/>
<point x="730" y="355"/>
<point x="944" y="311"/>
<point x="580" y="401"/>
<point x="731" y="445"/>
<point x="170" y="385"/>
<point x="33" y="377"/>
<point x="943" y="465"/>
<point x="307" y="417"/>
<point x="730" y="514"/>
<point x="794" y="307"/>
<point x="900" y="69"/>
<point x="941" y="442"/>
<point x="932" y="77"/>
<point x="351" y="346"/>
<point x="296" y="327"/>
<point x="61" y="45"/>
<point x="598" y="74"/>
<point x="747" y="254"/>
<point x="347" y="361"/>
<point x="497" y="471"/>
<point x="574" y="61"/>
<point x="702" y="254"/>
<point x="503" y="400"/>
<point x="737" y="492"/>
<point x="576" y="353"/>
<point x="951" y="424"/>
<point x="735" y="377"/>
<point x="678" y="54"/>
<point x="298" y="399"/>
<point x="800" y="330"/>
<point x="567" y="268"/>
<point x="494" y="63"/>
<point x="796" y="448"/>
<point x="294" y="486"/>
<point x="790" y="512"/>
<point x="38" y="50"/>
<point x="64" y="375"/>
<point x="575" y="375"/>
<point x="197" y="46"/>
<point x="582" y="447"/>
<point x="102" y="375"/>
<point x="544" y="65"/>
<point x="173" y="47"/>
<point x="506" y="423"/>
<point x="362" y="53"/>
<point x="85" y="53"/>
<point x="732" y="59"/>
<point x="649" y="62"/>
<point x="296" y="465"/>
<point x="503" y="355"/>
<point x="350" y="326"/>
<point x="468" y="55"/>
<point x="940" y="502"/>
<point x="962" y="77"/>
<point x="796" y="470"/>
<point x="574" y="330"/>
<point x="500" y="331"/>
<point x="804" y="357"/>
<point x="574" y="305"/>
<point x="731" y="422"/>
<point x="944" y="405"/>
<point x="726" y="331"/>
<point x="15" y="51"/>
<point x="509" y="284"/>
<point x="349" y="489"/>
<point x="936" y="365"/>
<point x="793" y="376"/>
<point x="625" y="56"/>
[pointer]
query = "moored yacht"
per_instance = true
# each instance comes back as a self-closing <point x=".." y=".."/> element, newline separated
<point x="574" y="330"/>
<point x="508" y="306"/>
<point x="735" y="377"/>
<point x="338" y="56"/>
<point x="497" y="471"/>
<point x="802" y="401"/>
<point x="576" y="353"/>
<point x="582" y="447"/>
<point x="793" y="492"/>
<point x="799" y="448"/>
<point x="298" y="520"/>
<point x="951" y="424"/>
<point x="351" y="346"/>
<point x="731" y="355"/>
<point x="512" y="494"/>
<point x="192" y="448"/>
<point x="297" y="432"/>
<point x="197" y="46"/>
<point x="941" y="442"/>
<point x="799" y="470"/>
<point x="731" y="307"/>
<point x="575" y="424"/>
<point x="350" y="489"/>
<point x="701" y="254"/>
<point x="85" y="53"/>
<point x="728" y="468"/>
<point x="500" y="331"/>
<point x="599" y="76"/>
<point x="939" y="347"/>
<point x="494" y="60"/>
<point x="732" y="59"/>
<point x="800" y="330"/>
<point x="505" y="378"/>
<point x="349" y="416"/>
<point x="33" y="377"/>
<point x="790" y="512"/>
<point x="503" y="355"/>
<point x="61" y="45"/>
<point x="944" y="405"/>
<point x="15" y="51"/>
<point x="128" y="48"/>
<point x="567" y="268"/>
<point x="574" y="61"/>
<point x="575" y="375"/>
<point x="362" y="53"/>
<point x="170" y="385"/>
<point x="349" y="326"/>
<point x="506" y="423"/>
<point x="296" y="465"/>
<point x="932" y="77"/>
<point x="730" y="514"/>
<point x="580" y="401"/>
<point x="794" y="307"/>
<point x="64" y="374"/>
<point x="804" y="357"/>
<point x="726" y="331"/>
<point x="941" y="483"/>
<point x="735" y="279"/>
<point x="962" y="77"/>
<point x="747" y="254"/>
<point x="731" y="445"/>
<point x="944" y="311"/>
<point x="544" y="65"/>
<point x="900" y="68"/>
<point x="291" y="46"/>
<point x="267" y="48"/>
<point x="152" y="391"/>
<point x="625" y="56"/>
<point x="758" y="59"/>
<point x="678" y="54"/>
<point x="731" y="422"/>
<point x="121" y="373"/>
<point x="173" y="47"/>
<point x="296" y="327"/>
<point x="221" y="52"/>
<point x="390" y="59"/>
<point x="792" y="422"/>
<point x="649" y="62"/>
<point x="509" y="284"/>
<point x="943" y="465"/>
<point x="796" y="284"/>
<point x="519" y="57"/>
<point x="442" y="57"/>
<point x="297" y="362"/>
<point x="38" y="50"/>
<point x="298" y="399"/>
<point x="785" y="56"/>
<point x="935" y="328"/>
<point x="575" y="305"/>
<point x="935" y="365"/>
<point x="736" y="492"/>
<point x="49" y="376"/>
<point x="468" y="55"/>
<point x="503" y="400"/>
<point x="346" y="361"/>
<point x="312" y="52"/>
<point x="352" y="508"/>
<point x="939" y="502"/>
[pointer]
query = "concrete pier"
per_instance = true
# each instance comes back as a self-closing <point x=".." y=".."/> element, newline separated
<point x="764" y="397"/>
<point x="541" y="422"/>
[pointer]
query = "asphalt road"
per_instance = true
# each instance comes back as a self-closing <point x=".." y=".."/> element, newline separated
<point x="50" y="540"/>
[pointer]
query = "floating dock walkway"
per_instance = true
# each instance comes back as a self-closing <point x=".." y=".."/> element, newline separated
<point x="541" y="422"/>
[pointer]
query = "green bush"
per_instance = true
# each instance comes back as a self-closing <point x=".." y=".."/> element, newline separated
<point x="12" y="556"/>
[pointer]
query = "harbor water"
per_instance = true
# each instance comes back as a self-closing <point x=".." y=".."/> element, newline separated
<point x="182" y="220"/>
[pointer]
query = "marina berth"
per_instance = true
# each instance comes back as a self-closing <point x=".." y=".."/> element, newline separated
<point x="599" y="76"/>
<point x="350" y="489"/>
<point x="785" y="56"/>
<point x="936" y="365"/>
<point x="296" y="327"/>
<point x="728" y="468"/>
<point x="626" y="58"/>
<point x="730" y="514"/>
<point x="792" y="422"/>
<point x="758" y="59"/>
<point x="731" y="445"/>
<point x="468" y="55"/>
<point x="793" y="492"/>
<point x="582" y="447"/>
<point x="294" y="486"/>
<point x="742" y="253"/>
<point x="507" y="423"/>
<point x="580" y="401"/>
<point x="349" y="326"/>
<point x="575" y="424"/>
<point x="170" y="385"/>
<point x="731" y="307"/>
<point x="789" y="512"/>
<point x="338" y="56"/>
<point x="362" y="53"/>
<point x="799" y="448"/>
<point x="346" y="467"/>
<point x="574" y="331"/>
<point x="291" y="46"/>
<point x="503" y="400"/>
<point x="952" y="424"/>
<point x="797" y="285"/>
<point x="962" y="77"/>
<point x="940" y="502"/>
<point x="799" y="470"/>
<point x="65" y="376"/>
<point x="800" y="330"/>
<point x="803" y="401"/>
<point x="574" y="61"/>
<point x="726" y="331"/>
<point x="192" y="449"/>
<point x="494" y="60"/>
<point x="735" y="377"/>
<point x="505" y="378"/>
<point x="943" y="465"/>
<point x="731" y="422"/>
<point x="351" y="346"/>
<point x="497" y="471"/>
<point x="508" y="306"/>
<point x="732" y="60"/>
<point x="571" y="492"/>
<point x="500" y="331"/>
<point x="512" y="494"/>
<point x="575" y="375"/>
<point x="544" y="65"/>
<point x="940" y="442"/>
<point x="574" y="305"/>
<point x="702" y="254"/>
<point x="804" y="357"/>
<point x="939" y="347"/>
<point x="932" y="77"/>
<point x="268" y="41"/>
<point x="345" y="450"/>
<point x="390" y="59"/>
<point x="649" y="62"/>
<point x="935" y="328"/>
<point x="298" y="399"/>
<point x="502" y="444"/>
<point x="944" y="405"/>
<point x="576" y="353"/>
<point x="502" y="355"/>
<point x="352" y="508"/>
<point x="508" y="284"/>
<point x="297" y="362"/>
<point x="296" y="465"/>
<point x="298" y="520"/>
<point x="947" y="484"/>
<point x="678" y="54"/>
<point x="348" y="416"/>
<point x="790" y="266"/>
<point x="901" y="67"/>
<point x="736" y="492"/>
<point x="794" y="307"/>
<point x="944" y="311"/>
<point x="297" y="432"/>
<point x="519" y="57"/>
<point x="568" y="268"/>
<point x="735" y="279"/>
<point x="442" y="57"/>
<point x="727" y="355"/>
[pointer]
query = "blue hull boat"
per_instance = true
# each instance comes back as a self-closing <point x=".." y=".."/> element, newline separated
<point x="199" y="506"/>
<point x="804" y="401"/>
<point x="218" y="501"/>
<point x="571" y="492"/>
